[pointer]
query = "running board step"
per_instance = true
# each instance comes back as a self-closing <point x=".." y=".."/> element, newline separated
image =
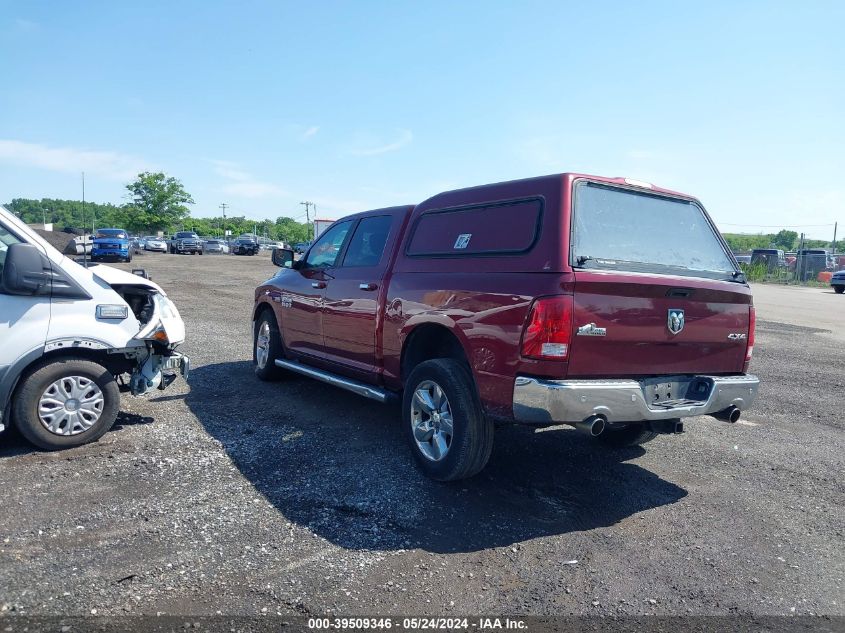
<point x="362" y="389"/>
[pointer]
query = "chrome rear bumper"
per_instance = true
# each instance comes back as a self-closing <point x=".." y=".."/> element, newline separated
<point x="538" y="401"/>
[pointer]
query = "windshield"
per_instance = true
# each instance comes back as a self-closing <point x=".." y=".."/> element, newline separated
<point x="621" y="229"/>
<point x="117" y="234"/>
<point x="186" y="234"/>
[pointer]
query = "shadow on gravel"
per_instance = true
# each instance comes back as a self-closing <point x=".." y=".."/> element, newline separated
<point x="338" y="464"/>
<point x="12" y="443"/>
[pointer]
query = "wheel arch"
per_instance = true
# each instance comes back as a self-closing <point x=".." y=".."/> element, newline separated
<point x="430" y="340"/>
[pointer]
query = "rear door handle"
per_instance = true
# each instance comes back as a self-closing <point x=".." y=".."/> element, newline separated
<point x="318" y="284"/>
<point x="369" y="286"/>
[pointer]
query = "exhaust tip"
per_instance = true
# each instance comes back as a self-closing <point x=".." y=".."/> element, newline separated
<point x="731" y="414"/>
<point x="593" y="426"/>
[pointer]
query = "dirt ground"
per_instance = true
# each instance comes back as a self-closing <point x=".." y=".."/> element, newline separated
<point x="229" y="495"/>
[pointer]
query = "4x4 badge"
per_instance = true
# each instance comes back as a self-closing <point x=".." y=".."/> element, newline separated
<point x="675" y="321"/>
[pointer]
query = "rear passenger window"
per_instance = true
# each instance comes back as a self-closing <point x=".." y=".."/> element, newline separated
<point x="367" y="245"/>
<point x="498" y="228"/>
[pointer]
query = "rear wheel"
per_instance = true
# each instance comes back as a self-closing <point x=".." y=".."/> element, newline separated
<point x="66" y="403"/>
<point x="632" y="435"/>
<point x="445" y="425"/>
<point x="267" y="347"/>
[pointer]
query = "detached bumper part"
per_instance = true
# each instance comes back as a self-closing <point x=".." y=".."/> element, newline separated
<point x="537" y="401"/>
<point x="151" y="374"/>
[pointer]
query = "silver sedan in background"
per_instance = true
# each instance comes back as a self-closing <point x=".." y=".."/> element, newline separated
<point x="153" y="243"/>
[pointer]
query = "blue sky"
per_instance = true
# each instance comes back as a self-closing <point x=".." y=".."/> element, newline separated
<point x="363" y="104"/>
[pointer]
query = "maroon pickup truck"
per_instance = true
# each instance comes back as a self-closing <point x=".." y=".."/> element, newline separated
<point x="603" y="303"/>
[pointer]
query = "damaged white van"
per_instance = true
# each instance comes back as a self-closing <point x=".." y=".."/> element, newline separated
<point x="68" y="334"/>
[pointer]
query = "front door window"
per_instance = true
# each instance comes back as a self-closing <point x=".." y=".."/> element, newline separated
<point x="325" y="251"/>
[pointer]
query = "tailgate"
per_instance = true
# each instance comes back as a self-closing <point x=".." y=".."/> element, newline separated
<point x="622" y="325"/>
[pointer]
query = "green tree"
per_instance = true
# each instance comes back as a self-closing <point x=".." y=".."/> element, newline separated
<point x="785" y="240"/>
<point x="158" y="202"/>
<point x="291" y="231"/>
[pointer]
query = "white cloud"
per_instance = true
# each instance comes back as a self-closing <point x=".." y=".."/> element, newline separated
<point x="405" y="137"/>
<point x="242" y="183"/>
<point x="110" y="165"/>
<point x="311" y="131"/>
<point x="26" y="26"/>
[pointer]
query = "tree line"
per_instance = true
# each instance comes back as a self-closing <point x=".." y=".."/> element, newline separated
<point x="158" y="203"/>
<point x="783" y="240"/>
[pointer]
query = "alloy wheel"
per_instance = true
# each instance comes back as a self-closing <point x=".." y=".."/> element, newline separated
<point x="431" y="420"/>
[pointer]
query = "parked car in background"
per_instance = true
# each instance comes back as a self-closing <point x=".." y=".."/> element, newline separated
<point x="301" y="247"/>
<point x="743" y="259"/>
<point x="155" y="244"/>
<point x="245" y="246"/>
<point x="111" y="244"/>
<point x="216" y="246"/>
<point x="471" y="308"/>
<point x="771" y="258"/>
<point x="810" y="262"/>
<point x="837" y="282"/>
<point x="186" y="242"/>
<point x="72" y="334"/>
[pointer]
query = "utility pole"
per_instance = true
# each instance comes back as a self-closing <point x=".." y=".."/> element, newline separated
<point x="223" y="206"/>
<point x="835" y="226"/>
<point x="84" y="252"/>
<point x="307" y="217"/>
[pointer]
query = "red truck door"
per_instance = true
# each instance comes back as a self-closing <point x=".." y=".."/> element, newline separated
<point x="352" y="295"/>
<point x="304" y="289"/>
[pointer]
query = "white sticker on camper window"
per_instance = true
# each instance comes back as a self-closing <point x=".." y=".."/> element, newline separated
<point x="463" y="240"/>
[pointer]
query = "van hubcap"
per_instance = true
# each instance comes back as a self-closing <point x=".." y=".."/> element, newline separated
<point x="431" y="420"/>
<point x="71" y="405"/>
<point x="262" y="345"/>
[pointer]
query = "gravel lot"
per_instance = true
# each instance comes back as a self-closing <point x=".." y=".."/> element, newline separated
<point x="235" y="496"/>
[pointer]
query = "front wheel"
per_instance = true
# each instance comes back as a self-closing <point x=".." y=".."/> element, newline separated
<point x="66" y="403"/>
<point x="632" y="435"/>
<point x="444" y="423"/>
<point x="839" y="289"/>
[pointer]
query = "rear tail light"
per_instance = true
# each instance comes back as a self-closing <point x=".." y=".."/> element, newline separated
<point x="752" y="325"/>
<point x="549" y="331"/>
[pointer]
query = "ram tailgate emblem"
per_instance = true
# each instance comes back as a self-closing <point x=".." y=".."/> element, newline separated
<point x="675" y="321"/>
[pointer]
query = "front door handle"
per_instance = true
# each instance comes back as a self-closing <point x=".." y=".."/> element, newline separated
<point x="318" y="284"/>
<point x="369" y="286"/>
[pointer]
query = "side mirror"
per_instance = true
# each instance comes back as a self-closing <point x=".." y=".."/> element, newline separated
<point x="24" y="271"/>
<point x="282" y="257"/>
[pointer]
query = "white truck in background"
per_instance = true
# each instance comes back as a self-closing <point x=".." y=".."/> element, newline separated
<point x="320" y="226"/>
<point x="67" y="333"/>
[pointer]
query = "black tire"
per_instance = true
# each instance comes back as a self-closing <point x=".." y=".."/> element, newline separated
<point x="839" y="289"/>
<point x="129" y="258"/>
<point x="632" y="435"/>
<point x="472" y="439"/>
<point x="269" y="372"/>
<point x="32" y="387"/>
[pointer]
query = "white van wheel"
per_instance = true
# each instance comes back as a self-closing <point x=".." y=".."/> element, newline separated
<point x="65" y="403"/>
